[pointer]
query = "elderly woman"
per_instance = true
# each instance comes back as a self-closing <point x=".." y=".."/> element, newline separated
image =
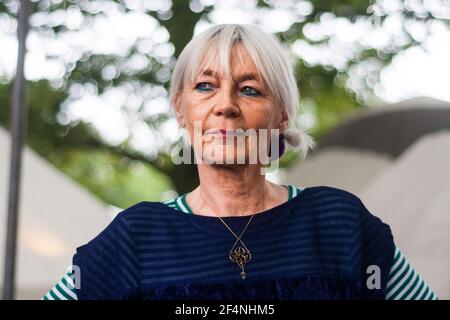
<point x="237" y="235"/>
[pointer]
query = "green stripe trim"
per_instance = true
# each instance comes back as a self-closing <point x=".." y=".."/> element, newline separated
<point x="180" y="206"/>
<point x="424" y="294"/>
<point x="53" y="295"/>
<point x="180" y="203"/>
<point x="404" y="284"/>
<point x="290" y="192"/>
<point x="294" y="191"/>
<point x="70" y="287"/>
<point x="174" y="205"/>
<point x="400" y="278"/>
<point x="413" y="286"/>
<point x="414" y="297"/>
<point x="396" y="259"/>
<point x="395" y="273"/>
<point x="62" y="288"/>
<point x="67" y="284"/>
<point x="183" y="200"/>
<point x="63" y="292"/>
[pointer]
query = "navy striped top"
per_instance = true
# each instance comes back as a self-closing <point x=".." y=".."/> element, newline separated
<point x="321" y="244"/>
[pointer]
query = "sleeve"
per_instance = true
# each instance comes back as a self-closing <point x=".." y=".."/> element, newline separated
<point x="405" y="283"/>
<point x="107" y="266"/>
<point x="63" y="290"/>
<point x="372" y="254"/>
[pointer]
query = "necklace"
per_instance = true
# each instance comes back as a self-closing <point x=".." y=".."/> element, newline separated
<point x="241" y="255"/>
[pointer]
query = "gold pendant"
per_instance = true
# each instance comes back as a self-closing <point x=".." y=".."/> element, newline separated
<point x="241" y="256"/>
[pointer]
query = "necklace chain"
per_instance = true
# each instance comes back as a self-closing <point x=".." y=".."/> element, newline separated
<point x="239" y="255"/>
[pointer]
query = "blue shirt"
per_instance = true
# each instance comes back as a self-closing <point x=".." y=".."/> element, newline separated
<point x="322" y="244"/>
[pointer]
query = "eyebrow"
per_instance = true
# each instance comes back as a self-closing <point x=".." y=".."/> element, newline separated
<point x="208" y="72"/>
<point x="247" y="76"/>
<point x="244" y="77"/>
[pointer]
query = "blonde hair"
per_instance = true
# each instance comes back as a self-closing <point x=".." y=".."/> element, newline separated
<point x="213" y="47"/>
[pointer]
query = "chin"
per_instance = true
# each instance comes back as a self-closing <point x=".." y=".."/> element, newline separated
<point x="221" y="155"/>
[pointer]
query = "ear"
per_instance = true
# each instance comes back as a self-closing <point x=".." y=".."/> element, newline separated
<point x="178" y="111"/>
<point x="284" y="122"/>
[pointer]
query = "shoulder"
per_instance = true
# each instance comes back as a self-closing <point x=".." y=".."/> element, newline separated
<point x="331" y="203"/>
<point x="141" y="211"/>
<point x="122" y="225"/>
<point x="369" y="239"/>
<point x="328" y="192"/>
<point x="112" y="255"/>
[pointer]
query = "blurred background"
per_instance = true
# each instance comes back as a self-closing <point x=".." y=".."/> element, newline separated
<point x="374" y="78"/>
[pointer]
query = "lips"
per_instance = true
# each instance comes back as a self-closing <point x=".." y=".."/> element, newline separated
<point x="225" y="132"/>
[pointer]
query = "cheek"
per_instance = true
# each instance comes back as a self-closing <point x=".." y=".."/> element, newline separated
<point x="194" y="114"/>
<point x="196" y="121"/>
<point x="274" y="115"/>
<point x="263" y="117"/>
<point x="190" y="104"/>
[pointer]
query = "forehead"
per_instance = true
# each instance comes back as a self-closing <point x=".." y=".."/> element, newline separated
<point x="240" y="66"/>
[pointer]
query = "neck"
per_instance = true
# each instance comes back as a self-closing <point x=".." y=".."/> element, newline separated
<point x="233" y="191"/>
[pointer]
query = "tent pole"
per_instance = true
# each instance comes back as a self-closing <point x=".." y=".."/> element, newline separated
<point x="18" y="126"/>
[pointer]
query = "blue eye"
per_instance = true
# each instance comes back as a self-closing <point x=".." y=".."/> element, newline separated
<point x="203" y="86"/>
<point x="251" y="91"/>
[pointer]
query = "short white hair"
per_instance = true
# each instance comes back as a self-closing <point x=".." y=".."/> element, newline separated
<point x="214" y="46"/>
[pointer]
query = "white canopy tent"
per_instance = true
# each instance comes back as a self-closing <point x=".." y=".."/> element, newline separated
<point x="340" y="167"/>
<point x="403" y="177"/>
<point x="413" y="197"/>
<point x="56" y="215"/>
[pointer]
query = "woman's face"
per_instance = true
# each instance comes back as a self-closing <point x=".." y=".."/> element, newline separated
<point x="217" y="104"/>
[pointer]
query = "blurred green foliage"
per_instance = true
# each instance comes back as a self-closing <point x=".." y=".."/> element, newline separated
<point x="120" y="175"/>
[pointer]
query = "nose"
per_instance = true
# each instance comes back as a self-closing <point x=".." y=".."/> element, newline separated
<point x="227" y="104"/>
